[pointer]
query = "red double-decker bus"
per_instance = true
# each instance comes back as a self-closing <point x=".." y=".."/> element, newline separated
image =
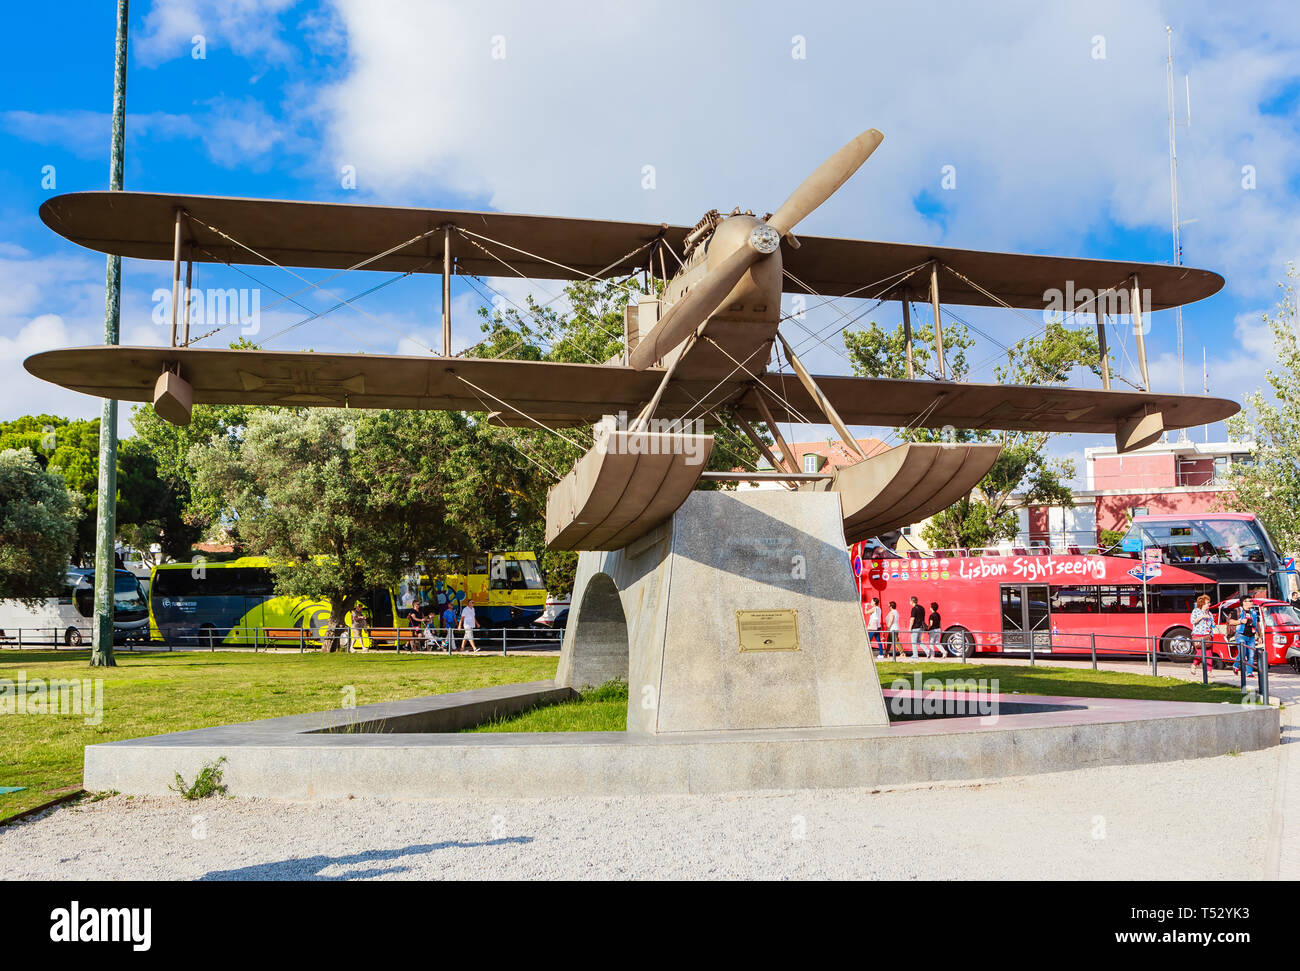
<point x="1122" y="600"/>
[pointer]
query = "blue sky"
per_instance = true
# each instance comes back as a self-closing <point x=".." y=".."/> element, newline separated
<point x="558" y="108"/>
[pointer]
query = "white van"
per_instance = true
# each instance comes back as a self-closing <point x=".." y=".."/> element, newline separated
<point x="69" y="618"/>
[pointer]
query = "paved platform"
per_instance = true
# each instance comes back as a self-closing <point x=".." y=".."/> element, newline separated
<point x="411" y="749"/>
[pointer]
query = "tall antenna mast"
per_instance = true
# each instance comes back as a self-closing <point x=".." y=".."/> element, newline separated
<point x="1173" y="200"/>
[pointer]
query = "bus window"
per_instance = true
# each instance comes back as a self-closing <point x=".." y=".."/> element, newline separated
<point x="1171" y="599"/>
<point x="1234" y="540"/>
<point x="1074" y="600"/>
<point x="128" y="598"/>
<point x="177" y="584"/>
<point x="515" y="575"/>
<point x="1120" y="600"/>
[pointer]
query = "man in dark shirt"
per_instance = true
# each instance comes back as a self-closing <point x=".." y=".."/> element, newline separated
<point x="415" y="618"/>
<point x="917" y="627"/>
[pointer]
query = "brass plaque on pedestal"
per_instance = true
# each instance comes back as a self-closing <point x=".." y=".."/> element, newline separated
<point x="768" y="630"/>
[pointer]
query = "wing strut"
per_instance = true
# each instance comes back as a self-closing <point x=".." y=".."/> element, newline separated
<point x="823" y="402"/>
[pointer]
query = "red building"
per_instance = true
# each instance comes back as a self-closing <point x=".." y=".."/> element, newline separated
<point x="1168" y="477"/>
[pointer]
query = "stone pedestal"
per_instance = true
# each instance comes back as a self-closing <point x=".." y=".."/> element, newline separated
<point x="662" y="613"/>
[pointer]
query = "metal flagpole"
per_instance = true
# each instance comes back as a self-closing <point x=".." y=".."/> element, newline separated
<point x="101" y="654"/>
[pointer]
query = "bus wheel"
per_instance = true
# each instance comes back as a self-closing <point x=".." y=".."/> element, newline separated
<point x="207" y="636"/>
<point x="958" y="642"/>
<point x="1178" y="643"/>
<point x="72" y="637"/>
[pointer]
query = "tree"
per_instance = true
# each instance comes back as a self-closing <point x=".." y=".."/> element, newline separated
<point x="343" y="500"/>
<point x="149" y="509"/>
<point x="184" y="518"/>
<point x="38" y="525"/>
<point x="987" y="514"/>
<point x="69" y="447"/>
<point x="1270" y="484"/>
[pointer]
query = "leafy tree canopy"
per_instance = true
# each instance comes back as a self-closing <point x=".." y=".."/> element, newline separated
<point x="1270" y="485"/>
<point x="38" y="520"/>
<point x="988" y="513"/>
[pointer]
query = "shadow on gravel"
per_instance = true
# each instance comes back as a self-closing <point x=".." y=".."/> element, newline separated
<point x="310" y="867"/>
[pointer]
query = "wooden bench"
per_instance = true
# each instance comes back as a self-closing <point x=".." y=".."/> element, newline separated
<point x="396" y="636"/>
<point x="295" y="635"/>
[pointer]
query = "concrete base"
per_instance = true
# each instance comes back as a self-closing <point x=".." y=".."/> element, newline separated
<point x="378" y="750"/>
<point x="662" y="613"/>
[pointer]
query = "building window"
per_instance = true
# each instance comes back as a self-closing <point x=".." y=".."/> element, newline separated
<point x="1138" y="510"/>
<point x="812" y="462"/>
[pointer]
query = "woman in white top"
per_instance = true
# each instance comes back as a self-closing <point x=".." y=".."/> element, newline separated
<point x="891" y="625"/>
<point x="873" y="628"/>
<point x="1202" y="630"/>
<point x="467" y="623"/>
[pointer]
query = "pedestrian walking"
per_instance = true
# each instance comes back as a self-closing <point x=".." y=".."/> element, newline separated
<point x="891" y="623"/>
<point x="468" y="621"/>
<point x="917" y="629"/>
<point x="1247" y="628"/>
<point x="1202" y="631"/>
<point x="449" y="625"/>
<point x="359" y="627"/>
<point x="874" y="638"/>
<point x="934" y="626"/>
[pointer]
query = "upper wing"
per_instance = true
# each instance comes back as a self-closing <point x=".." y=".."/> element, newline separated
<point x="836" y="267"/>
<point x="339" y="235"/>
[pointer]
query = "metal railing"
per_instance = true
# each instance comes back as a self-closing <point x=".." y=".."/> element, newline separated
<point x="66" y="636"/>
<point x="1037" y="644"/>
<point x="491" y="639"/>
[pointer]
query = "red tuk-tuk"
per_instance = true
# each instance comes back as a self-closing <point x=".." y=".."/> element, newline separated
<point x="1279" y="632"/>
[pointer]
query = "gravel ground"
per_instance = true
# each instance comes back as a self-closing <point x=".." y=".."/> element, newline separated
<point x="1206" y="819"/>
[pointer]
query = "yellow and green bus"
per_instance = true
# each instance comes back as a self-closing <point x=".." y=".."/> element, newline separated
<point x="506" y="588"/>
<point x="232" y="602"/>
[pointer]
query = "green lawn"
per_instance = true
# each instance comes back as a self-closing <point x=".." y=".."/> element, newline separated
<point x="1077" y="682"/>
<point x="605" y="709"/>
<point x="150" y="694"/>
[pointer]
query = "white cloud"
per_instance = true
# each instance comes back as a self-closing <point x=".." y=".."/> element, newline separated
<point x="249" y="28"/>
<point x="1048" y="142"/>
<point x="235" y="133"/>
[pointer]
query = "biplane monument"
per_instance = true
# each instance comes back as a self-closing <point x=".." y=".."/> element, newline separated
<point x="725" y="611"/>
